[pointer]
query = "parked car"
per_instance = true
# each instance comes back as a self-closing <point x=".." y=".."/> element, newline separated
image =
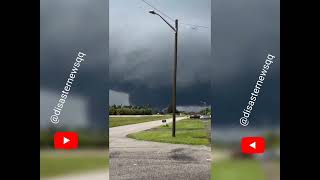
<point x="195" y="116"/>
<point x="205" y="117"/>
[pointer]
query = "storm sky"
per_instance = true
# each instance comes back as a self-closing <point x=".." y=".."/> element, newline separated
<point x="243" y="33"/>
<point x="142" y="48"/>
<point x="67" y="27"/>
<point x="222" y="71"/>
<point x="131" y="51"/>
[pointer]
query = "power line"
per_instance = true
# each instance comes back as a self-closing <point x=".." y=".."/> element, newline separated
<point x="158" y="10"/>
<point x="192" y="25"/>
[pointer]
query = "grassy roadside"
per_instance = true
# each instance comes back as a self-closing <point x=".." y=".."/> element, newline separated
<point x="188" y="131"/>
<point x="234" y="169"/>
<point x="53" y="163"/>
<point x="121" y="121"/>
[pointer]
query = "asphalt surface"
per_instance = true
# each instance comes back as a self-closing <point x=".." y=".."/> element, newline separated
<point x="144" y="160"/>
<point x="93" y="175"/>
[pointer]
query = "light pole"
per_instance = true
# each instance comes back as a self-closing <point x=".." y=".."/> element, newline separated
<point x="175" y="29"/>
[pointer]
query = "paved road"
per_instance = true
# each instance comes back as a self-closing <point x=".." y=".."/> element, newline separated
<point x="144" y="160"/>
<point x="92" y="175"/>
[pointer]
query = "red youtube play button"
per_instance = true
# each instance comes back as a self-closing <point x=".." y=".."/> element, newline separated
<point x="65" y="140"/>
<point x="252" y="145"/>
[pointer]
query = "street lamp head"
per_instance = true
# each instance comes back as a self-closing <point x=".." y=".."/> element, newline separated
<point x="152" y="12"/>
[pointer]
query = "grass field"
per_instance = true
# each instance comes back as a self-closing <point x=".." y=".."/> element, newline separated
<point x="53" y="163"/>
<point x="233" y="169"/>
<point x="188" y="131"/>
<point x="121" y="121"/>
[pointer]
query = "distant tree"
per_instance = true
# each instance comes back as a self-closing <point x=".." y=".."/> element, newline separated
<point x="206" y="111"/>
<point x="272" y="139"/>
<point x="112" y="110"/>
<point x="130" y="110"/>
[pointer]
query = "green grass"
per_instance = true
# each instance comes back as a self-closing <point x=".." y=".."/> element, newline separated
<point x="53" y="163"/>
<point x="235" y="169"/>
<point x="121" y="121"/>
<point x="188" y="131"/>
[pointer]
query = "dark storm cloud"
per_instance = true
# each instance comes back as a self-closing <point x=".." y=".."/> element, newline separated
<point x="67" y="27"/>
<point x="243" y="34"/>
<point x="141" y="52"/>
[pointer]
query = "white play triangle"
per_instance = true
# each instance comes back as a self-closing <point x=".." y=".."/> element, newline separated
<point x="65" y="140"/>
<point x="253" y="145"/>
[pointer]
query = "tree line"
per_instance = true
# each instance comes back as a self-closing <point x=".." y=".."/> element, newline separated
<point x="130" y="110"/>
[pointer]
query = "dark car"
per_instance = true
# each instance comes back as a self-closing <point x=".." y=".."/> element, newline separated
<point x="195" y="116"/>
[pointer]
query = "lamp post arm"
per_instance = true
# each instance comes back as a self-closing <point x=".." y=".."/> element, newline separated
<point x="167" y="23"/>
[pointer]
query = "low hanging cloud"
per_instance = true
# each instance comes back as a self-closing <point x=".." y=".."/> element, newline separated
<point x="242" y="36"/>
<point x="67" y="27"/>
<point x="118" y="98"/>
<point x="141" y="53"/>
<point x="220" y="66"/>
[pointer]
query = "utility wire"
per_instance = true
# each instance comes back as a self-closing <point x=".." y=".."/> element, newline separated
<point x="193" y="25"/>
<point x="164" y="14"/>
<point x="158" y="10"/>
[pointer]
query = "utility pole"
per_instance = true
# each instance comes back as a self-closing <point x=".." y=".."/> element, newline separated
<point x="174" y="93"/>
<point x="174" y="84"/>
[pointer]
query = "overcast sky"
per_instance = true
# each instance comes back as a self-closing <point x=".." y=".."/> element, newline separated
<point x="243" y="33"/>
<point x="67" y="27"/>
<point x="140" y="47"/>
